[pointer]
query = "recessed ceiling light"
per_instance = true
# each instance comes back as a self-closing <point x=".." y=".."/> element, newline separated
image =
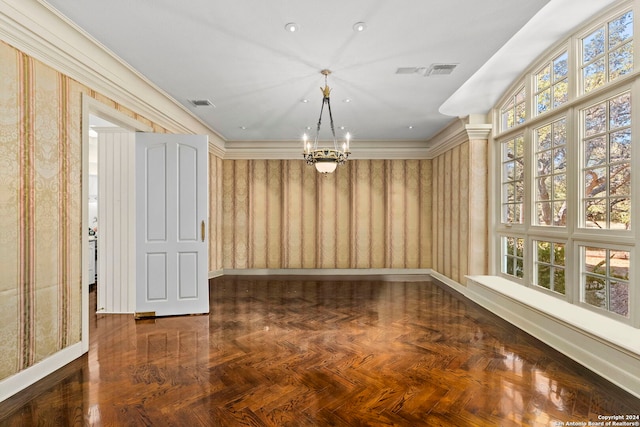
<point x="342" y="128"/>
<point x="347" y="100"/>
<point x="359" y="27"/>
<point x="243" y="127"/>
<point x="304" y="101"/>
<point x="308" y="127"/>
<point x="410" y="127"/>
<point x="292" y="27"/>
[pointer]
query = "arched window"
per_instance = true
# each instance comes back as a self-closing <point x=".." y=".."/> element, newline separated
<point x="514" y="112"/>
<point x="607" y="52"/>
<point x="552" y="84"/>
<point x="565" y="222"/>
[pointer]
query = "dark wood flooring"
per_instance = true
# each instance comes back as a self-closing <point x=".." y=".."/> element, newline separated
<point x="296" y="351"/>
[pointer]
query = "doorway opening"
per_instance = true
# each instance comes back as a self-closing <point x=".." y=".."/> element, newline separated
<point x="112" y="209"/>
<point x="111" y="215"/>
<point x="102" y="117"/>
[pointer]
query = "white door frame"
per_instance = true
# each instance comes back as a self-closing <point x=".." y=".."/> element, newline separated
<point x="92" y="107"/>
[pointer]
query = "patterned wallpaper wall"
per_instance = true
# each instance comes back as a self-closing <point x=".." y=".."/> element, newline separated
<point x="368" y="214"/>
<point x="215" y="213"/>
<point x="460" y="211"/>
<point x="40" y="209"/>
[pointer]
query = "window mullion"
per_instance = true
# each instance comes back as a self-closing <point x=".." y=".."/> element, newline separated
<point x="572" y="255"/>
<point x="572" y="278"/>
<point x="574" y="72"/>
<point x="634" y="286"/>
<point x="529" y="204"/>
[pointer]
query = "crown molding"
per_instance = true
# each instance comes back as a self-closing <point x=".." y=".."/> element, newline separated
<point x="216" y="150"/>
<point x="480" y="131"/>
<point x="292" y="150"/>
<point x="459" y="131"/>
<point x="38" y="30"/>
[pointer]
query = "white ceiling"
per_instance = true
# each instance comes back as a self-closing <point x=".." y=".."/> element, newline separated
<point x="238" y="55"/>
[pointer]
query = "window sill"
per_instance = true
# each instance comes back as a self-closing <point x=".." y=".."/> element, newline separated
<point x="602" y="328"/>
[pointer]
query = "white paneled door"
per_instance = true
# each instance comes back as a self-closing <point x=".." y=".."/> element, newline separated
<point x="171" y="219"/>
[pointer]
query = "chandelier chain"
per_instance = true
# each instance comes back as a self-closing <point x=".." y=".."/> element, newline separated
<point x="325" y="159"/>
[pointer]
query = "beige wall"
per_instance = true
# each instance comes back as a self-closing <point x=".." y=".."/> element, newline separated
<point x="460" y="211"/>
<point x="368" y="214"/>
<point x="40" y="209"/>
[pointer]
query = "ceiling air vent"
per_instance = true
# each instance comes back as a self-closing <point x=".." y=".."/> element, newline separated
<point x="439" y="69"/>
<point x="408" y="70"/>
<point x="431" y="70"/>
<point x="201" y="103"/>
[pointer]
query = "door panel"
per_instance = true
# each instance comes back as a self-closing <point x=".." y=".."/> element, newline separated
<point x="155" y="213"/>
<point x="171" y="193"/>
<point x="187" y="269"/>
<point x="156" y="283"/>
<point x="187" y="200"/>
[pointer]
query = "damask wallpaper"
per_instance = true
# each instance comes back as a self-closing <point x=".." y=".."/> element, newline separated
<point x="368" y="214"/>
<point x="460" y="211"/>
<point x="215" y="213"/>
<point x="40" y="209"/>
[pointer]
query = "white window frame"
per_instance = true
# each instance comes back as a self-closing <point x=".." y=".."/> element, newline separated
<point x="573" y="235"/>
<point x="534" y="262"/>
<point x="551" y="120"/>
<point x="525" y="251"/>
<point x="598" y="23"/>
<point x="535" y="91"/>
<point x="604" y="97"/>
<point x="502" y="162"/>
<point x="633" y="290"/>
<point x="513" y="98"/>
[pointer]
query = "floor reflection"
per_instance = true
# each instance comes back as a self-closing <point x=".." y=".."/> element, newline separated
<point x="293" y="351"/>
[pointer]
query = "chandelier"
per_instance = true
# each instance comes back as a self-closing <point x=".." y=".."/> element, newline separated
<point x="325" y="159"/>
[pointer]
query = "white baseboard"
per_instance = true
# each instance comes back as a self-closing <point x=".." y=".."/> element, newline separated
<point x="424" y="272"/>
<point x="607" y="347"/>
<point x="23" y="379"/>
<point x="449" y="282"/>
<point x="215" y="273"/>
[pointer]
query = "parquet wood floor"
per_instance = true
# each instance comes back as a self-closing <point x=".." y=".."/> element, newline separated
<point x="294" y="351"/>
